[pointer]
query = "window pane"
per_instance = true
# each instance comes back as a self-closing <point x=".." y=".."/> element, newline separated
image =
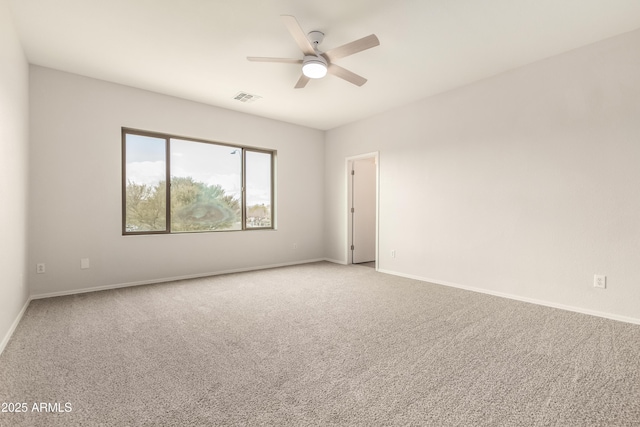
<point x="146" y="191"/>
<point x="258" y="176"/>
<point x="206" y="185"/>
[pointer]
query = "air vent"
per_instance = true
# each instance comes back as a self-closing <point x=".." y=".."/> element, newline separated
<point x="246" y="97"/>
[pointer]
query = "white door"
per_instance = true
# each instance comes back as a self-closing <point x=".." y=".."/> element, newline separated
<point x="363" y="179"/>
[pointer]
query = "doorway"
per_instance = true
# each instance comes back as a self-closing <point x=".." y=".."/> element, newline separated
<point x="362" y="173"/>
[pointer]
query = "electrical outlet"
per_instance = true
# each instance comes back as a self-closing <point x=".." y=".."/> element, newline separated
<point x="40" y="268"/>
<point x="295" y="246"/>
<point x="393" y="253"/>
<point x="599" y="281"/>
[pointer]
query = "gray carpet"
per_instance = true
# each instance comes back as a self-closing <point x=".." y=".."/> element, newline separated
<point x="317" y="344"/>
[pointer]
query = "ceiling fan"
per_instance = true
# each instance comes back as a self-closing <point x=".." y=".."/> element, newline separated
<point x="316" y="64"/>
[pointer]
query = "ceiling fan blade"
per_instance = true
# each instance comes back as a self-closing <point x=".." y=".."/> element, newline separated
<point x="298" y="34"/>
<point x="347" y="75"/>
<point x="353" y="47"/>
<point x="285" y="60"/>
<point x="302" y="82"/>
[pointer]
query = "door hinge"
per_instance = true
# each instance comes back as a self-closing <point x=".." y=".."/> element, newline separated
<point x="353" y="172"/>
<point x="352" y="210"/>
<point x="353" y="247"/>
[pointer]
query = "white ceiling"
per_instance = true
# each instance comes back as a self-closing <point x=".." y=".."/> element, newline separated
<point x="196" y="49"/>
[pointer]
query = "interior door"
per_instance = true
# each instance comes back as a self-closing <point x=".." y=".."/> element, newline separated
<point x="363" y="180"/>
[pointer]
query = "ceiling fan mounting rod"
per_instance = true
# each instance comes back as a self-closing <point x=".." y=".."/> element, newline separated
<point x="315" y="37"/>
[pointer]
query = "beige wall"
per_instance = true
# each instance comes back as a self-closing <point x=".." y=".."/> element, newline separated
<point x="76" y="188"/>
<point x="524" y="184"/>
<point x="13" y="174"/>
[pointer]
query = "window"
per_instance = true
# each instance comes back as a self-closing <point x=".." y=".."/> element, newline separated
<point x="258" y="195"/>
<point x="212" y="186"/>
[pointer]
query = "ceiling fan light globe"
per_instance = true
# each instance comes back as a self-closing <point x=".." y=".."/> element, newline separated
<point x="314" y="66"/>
<point x="314" y="69"/>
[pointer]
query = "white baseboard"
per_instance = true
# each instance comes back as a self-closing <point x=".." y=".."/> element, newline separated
<point x="169" y="279"/>
<point x="13" y="327"/>
<point x="626" y="319"/>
